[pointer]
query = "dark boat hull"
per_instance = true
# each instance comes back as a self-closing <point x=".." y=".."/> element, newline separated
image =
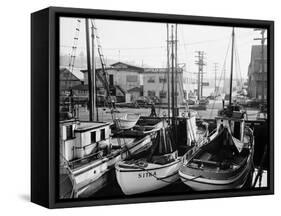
<point x="198" y="183"/>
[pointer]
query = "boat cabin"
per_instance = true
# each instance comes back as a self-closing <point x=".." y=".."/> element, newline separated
<point x="233" y="119"/>
<point x="81" y="139"/>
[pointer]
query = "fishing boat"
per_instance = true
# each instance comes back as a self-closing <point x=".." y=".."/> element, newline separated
<point x="127" y="121"/>
<point x="89" y="151"/>
<point x="158" y="169"/>
<point x="226" y="160"/>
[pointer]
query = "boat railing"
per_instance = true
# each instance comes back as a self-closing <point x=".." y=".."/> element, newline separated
<point x="63" y="161"/>
<point x="206" y="162"/>
<point x="91" y="157"/>
<point x="213" y="132"/>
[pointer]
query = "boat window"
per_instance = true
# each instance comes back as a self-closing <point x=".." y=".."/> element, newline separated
<point x="93" y="137"/>
<point x="69" y="132"/>
<point x="102" y="134"/>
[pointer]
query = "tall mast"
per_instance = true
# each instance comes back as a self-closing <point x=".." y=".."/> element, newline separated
<point x="168" y="71"/>
<point x="231" y="69"/>
<point x="173" y="90"/>
<point x="95" y="111"/>
<point x="91" y="104"/>
<point x="176" y="68"/>
<point x="215" y="69"/>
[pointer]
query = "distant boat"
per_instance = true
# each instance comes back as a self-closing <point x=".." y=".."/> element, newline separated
<point x="155" y="171"/>
<point x="127" y="121"/>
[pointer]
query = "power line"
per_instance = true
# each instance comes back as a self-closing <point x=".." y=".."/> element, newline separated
<point x="153" y="47"/>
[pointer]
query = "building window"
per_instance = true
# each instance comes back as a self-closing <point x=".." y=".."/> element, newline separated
<point x="102" y="134"/>
<point x="162" y="94"/>
<point x="69" y="132"/>
<point x="162" y="80"/>
<point x="150" y="93"/>
<point x="132" y="78"/>
<point x="93" y="137"/>
<point x="111" y="79"/>
<point x="151" y="79"/>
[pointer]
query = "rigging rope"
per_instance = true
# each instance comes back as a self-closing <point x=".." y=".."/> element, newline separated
<point x="238" y="63"/>
<point x="221" y="76"/>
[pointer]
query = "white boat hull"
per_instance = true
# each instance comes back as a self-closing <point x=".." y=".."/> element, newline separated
<point x="153" y="177"/>
<point x="92" y="177"/>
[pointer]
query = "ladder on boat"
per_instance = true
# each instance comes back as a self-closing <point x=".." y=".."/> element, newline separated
<point x="74" y="47"/>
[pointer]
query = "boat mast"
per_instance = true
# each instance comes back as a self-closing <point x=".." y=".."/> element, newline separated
<point x="176" y="69"/>
<point x="231" y="69"/>
<point x="90" y="86"/>
<point x="95" y="111"/>
<point x="173" y="89"/>
<point x="168" y="71"/>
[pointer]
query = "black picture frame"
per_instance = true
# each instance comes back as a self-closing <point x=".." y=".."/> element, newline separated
<point x="44" y="102"/>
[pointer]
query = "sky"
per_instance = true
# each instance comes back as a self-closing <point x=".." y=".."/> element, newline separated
<point x="144" y="43"/>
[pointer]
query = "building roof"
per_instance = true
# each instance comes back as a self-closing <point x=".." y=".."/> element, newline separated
<point x="159" y="70"/>
<point x="135" y="89"/>
<point x="123" y="65"/>
<point x="66" y="75"/>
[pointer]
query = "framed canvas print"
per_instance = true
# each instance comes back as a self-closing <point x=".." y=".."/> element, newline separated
<point x="139" y="107"/>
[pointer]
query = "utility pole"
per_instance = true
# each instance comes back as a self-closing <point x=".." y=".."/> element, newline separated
<point x="91" y="105"/>
<point x="202" y="68"/>
<point x="215" y="69"/>
<point x="200" y="62"/>
<point x="262" y="39"/>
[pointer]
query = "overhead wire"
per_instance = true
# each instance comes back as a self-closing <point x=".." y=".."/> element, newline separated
<point x="222" y="73"/>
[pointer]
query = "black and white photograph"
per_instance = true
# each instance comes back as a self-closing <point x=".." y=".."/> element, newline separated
<point x="161" y="108"/>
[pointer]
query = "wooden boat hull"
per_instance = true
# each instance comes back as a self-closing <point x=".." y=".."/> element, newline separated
<point x="198" y="183"/>
<point x="205" y="170"/>
<point x="140" y="180"/>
